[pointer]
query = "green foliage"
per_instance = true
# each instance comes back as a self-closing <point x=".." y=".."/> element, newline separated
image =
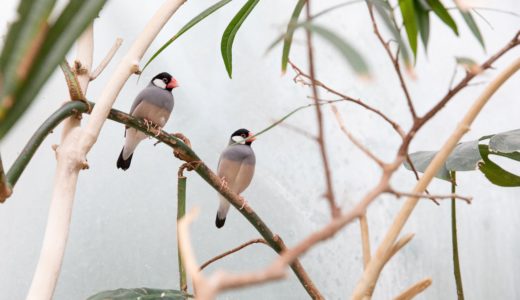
<point x="410" y="22"/>
<point x="208" y="11"/>
<point x="226" y="44"/>
<point x="470" y="21"/>
<point x="34" y="49"/>
<point x="443" y="14"/>
<point x="288" y="37"/>
<point x="472" y="155"/>
<point x="139" y="293"/>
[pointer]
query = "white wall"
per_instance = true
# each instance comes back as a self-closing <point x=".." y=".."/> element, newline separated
<point x="123" y="225"/>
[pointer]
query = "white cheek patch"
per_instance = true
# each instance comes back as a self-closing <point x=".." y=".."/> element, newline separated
<point x="159" y="83"/>
<point x="239" y="140"/>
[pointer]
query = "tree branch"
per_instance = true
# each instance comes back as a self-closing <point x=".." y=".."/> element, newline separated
<point x="334" y="209"/>
<point x="5" y="187"/>
<point x="415" y="289"/>
<point x="214" y="259"/>
<point x="104" y="63"/>
<point x="367" y="283"/>
<point x="429" y="196"/>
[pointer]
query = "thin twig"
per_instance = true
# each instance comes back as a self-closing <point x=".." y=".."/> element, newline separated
<point x="414" y="290"/>
<point x="298" y="130"/>
<point x="5" y="188"/>
<point x="395" y="63"/>
<point x="329" y="195"/>
<point x="398" y="194"/>
<point x="454" y="240"/>
<point x="214" y="259"/>
<point x="367" y="283"/>
<point x="354" y="140"/>
<point x="365" y="239"/>
<point x="102" y="65"/>
<point x="300" y="73"/>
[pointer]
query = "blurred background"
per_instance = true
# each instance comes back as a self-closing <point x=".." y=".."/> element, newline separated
<point x="123" y="231"/>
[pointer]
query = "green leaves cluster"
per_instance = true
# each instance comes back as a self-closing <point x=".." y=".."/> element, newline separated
<point x="476" y="155"/>
<point x="416" y="20"/>
<point x="34" y="46"/>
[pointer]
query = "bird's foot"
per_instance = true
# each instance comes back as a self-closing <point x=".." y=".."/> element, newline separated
<point x="148" y="123"/>
<point x="223" y="183"/>
<point x="183" y="138"/>
<point x="244" y="202"/>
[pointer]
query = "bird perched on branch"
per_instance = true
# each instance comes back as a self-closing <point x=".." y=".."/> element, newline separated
<point x="235" y="168"/>
<point x="154" y="104"/>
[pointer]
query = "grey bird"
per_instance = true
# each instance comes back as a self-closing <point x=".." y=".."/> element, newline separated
<point x="154" y="104"/>
<point x="236" y="168"/>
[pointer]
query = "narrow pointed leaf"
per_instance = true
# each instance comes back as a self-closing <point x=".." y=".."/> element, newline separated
<point x="208" y="11"/>
<point x="350" y="54"/>
<point x="410" y="23"/>
<point x="290" y="32"/>
<point x="20" y="46"/>
<point x="226" y="44"/>
<point x="470" y="21"/>
<point x="443" y="14"/>
<point x="423" y="19"/>
<point x="61" y="35"/>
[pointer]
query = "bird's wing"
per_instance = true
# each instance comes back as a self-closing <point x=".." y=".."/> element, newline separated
<point x="243" y="178"/>
<point x="228" y="169"/>
<point x="148" y="111"/>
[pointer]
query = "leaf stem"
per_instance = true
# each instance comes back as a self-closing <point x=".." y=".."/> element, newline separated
<point x="454" y="240"/>
<point x="5" y="187"/>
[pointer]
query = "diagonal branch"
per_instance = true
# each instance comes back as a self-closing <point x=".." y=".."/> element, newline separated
<point x="395" y="62"/>
<point x="329" y="195"/>
<point x="5" y="187"/>
<point x="104" y="63"/>
<point x="214" y="259"/>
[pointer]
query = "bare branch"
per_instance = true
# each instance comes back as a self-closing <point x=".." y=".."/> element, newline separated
<point x="366" y="285"/>
<point x="355" y="141"/>
<point x="334" y="209"/>
<point x="5" y="188"/>
<point x="300" y="73"/>
<point x="365" y="239"/>
<point x="298" y="130"/>
<point x="467" y="199"/>
<point x="414" y="290"/>
<point x="395" y="62"/>
<point x="102" y="65"/>
<point x="255" y="241"/>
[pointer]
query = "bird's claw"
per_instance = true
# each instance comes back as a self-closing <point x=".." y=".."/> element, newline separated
<point x="244" y="202"/>
<point x="223" y="182"/>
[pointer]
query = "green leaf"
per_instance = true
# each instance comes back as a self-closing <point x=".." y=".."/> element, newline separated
<point x="21" y="44"/>
<point x="512" y="155"/>
<point x="506" y="142"/>
<point x="410" y="23"/>
<point x="494" y="173"/>
<point x="470" y="21"/>
<point x="208" y="11"/>
<point x="349" y="53"/>
<point x="423" y="19"/>
<point x="68" y="27"/>
<point x="139" y="293"/>
<point x="443" y="14"/>
<point x="465" y="157"/>
<point x="385" y="11"/>
<point x="422" y="159"/>
<point x="287" y="41"/>
<point x="226" y="44"/>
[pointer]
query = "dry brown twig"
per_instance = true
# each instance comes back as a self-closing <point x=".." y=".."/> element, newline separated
<point x="398" y="194"/>
<point x="414" y="290"/>
<point x="248" y="243"/>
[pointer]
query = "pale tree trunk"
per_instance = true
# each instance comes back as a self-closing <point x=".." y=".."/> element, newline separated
<point x="71" y="157"/>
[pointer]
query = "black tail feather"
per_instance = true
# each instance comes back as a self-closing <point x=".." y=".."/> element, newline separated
<point x="124" y="163"/>
<point x="219" y="222"/>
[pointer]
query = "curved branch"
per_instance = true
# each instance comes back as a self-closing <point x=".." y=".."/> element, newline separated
<point x="214" y="259"/>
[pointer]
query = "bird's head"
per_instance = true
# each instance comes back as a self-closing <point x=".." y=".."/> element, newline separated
<point x="242" y="136"/>
<point x="165" y="81"/>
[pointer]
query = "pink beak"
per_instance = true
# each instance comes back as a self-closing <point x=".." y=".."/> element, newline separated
<point x="172" y="84"/>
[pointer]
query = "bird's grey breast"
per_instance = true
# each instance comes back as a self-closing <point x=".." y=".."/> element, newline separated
<point x="158" y="97"/>
<point x="242" y="153"/>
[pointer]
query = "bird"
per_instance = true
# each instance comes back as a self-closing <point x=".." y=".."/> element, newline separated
<point x="236" y="168"/>
<point x="154" y="104"/>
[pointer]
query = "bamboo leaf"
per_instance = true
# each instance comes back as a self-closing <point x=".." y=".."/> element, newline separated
<point x="208" y="11"/>
<point x="61" y="35"/>
<point x="472" y="24"/>
<point x="423" y="19"/>
<point x="410" y="23"/>
<point x="226" y="44"/>
<point x="287" y="41"/>
<point x="443" y="14"/>
<point x="350" y="54"/>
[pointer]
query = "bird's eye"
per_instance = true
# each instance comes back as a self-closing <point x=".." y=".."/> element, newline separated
<point x="165" y="80"/>
<point x="243" y="135"/>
